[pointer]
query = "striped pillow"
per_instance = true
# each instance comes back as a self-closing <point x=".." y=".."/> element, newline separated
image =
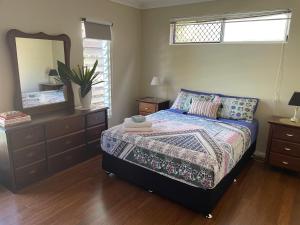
<point x="204" y="108"/>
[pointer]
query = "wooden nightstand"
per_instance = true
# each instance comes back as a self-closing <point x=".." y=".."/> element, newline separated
<point x="151" y="105"/>
<point x="50" y="87"/>
<point x="284" y="144"/>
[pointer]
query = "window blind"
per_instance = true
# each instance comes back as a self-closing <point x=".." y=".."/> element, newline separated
<point x="97" y="46"/>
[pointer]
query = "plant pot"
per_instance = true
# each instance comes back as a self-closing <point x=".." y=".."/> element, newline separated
<point x="86" y="100"/>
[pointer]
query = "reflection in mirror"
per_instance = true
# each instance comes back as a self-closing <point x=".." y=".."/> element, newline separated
<point x="37" y="64"/>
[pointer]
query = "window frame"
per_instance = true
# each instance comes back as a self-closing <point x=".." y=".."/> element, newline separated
<point x="223" y="20"/>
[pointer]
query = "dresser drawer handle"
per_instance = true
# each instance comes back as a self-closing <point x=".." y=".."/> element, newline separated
<point x="32" y="172"/>
<point x="69" y="157"/>
<point x="285" y="163"/>
<point x="290" y="135"/>
<point x="30" y="154"/>
<point x="68" y="142"/>
<point x="29" y="136"/>
<point x="287" y="149"/>
<point x="146" y="108"/>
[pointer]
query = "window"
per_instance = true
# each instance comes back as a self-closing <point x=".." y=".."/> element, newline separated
<point x="254" y="27"/>
<point x="98" y="48"/>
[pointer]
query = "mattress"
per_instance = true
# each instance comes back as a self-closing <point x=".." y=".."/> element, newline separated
<point x="193" y="150"/>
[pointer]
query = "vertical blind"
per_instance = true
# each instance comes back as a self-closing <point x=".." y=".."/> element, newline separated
<point x="97" y="46"/>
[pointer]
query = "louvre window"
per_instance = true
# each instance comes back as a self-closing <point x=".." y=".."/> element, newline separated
<point x="250" y="27"/>
<point x="98" y="48"/>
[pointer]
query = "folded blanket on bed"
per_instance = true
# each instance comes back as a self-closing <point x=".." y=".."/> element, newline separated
<point x="128" y="123"/>
<point x="142" y="129"/>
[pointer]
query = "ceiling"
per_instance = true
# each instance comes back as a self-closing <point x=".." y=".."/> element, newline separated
<point x="147" y="4"/>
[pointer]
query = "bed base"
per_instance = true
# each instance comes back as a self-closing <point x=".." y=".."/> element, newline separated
<point x="197" y="199"/>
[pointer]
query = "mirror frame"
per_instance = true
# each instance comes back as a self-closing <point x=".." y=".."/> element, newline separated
<point x="18" y="104"/>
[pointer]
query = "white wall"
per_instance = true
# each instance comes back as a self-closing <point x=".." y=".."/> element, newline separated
<point x="63" y="16"/>
<point x="234" y="69"/>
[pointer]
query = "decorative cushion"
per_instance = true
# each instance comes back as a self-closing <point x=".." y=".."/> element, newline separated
<point x="184" y="100"/>
<point x="204" y="108"/>
<point x="238" y="108"/>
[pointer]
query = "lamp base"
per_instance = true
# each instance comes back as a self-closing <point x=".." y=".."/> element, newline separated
<point x="295" y="119"/>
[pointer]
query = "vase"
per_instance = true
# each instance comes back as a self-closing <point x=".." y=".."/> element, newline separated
<point x="86" y="100"/>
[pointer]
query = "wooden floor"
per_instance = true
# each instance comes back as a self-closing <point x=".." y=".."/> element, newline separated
<point x="86" y="195"/>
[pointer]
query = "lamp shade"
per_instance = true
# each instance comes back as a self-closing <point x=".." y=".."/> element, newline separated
<point x="53" y="72"/>
<point x="155" y="81"/>
<point x="295" y="100"/>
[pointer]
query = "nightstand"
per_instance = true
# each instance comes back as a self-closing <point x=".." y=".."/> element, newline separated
<point x="151" y="105"/>
<point x="284" y="144"/>
<point x="50" y="87"/>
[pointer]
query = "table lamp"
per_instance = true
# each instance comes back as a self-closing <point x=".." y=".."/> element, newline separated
<point x="295" y="101"/>
<point x="155" y="82"/>
<point x="52" y="76"/>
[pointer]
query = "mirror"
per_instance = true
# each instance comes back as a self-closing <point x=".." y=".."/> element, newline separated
<point x="35" y="57"/>
<point x="37" y="63"/>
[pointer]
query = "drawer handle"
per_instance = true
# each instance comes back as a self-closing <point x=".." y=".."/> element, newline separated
<point x="29" y="136"/>
<point x="68" y="142"/>
<point x="30" y="154"/>
<point x="69" y="157"/>
<point x="285" y="163"/>
<point x="32" y="172"/>
<point x="146" y="108"/>
<point x="287" y="149"/>
<point x="290" y="135"/>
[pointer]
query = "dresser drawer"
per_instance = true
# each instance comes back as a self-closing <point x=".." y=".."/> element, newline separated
<point x="93" y="148"/>
<point x="95" y="118"/>
<point x="62" y="144"/>
<point x="29" y="155"/>
<point x="61" y="127"/>
<point x="30" y="174"/>
<point x="284" y="161"/>
<point x="147" y="107"/>
<point x="95" y="132"/>
<point x="26" y="136"/>
<point x="67" y="159"/>
<point x="286" y="133"/>
<point x="286" y="148"/>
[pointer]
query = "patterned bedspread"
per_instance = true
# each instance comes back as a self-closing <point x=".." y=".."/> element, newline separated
<point x="193" y="150"/>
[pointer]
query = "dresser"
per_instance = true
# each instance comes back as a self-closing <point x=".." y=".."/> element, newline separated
<point x="150" y="105"/>
<point x="49" y="144"/>
<point x="284" y="144"/>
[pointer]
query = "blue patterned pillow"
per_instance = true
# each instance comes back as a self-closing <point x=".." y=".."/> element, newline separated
<point x="184" y="100"/>
<point x="238" y="108"/>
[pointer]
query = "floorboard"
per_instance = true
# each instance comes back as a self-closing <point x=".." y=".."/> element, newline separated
<point x="85" y="195"/>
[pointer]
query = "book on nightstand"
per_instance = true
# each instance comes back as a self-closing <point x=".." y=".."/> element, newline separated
<point x="12" y="118"/>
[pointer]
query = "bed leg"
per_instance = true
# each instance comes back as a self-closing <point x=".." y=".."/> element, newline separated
<point x="209" y="216"/>
<point x="107" y="173"/>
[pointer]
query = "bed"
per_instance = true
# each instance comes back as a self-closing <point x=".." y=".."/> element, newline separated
<point x="188" y="159"/>
<point x="33" y="99"/>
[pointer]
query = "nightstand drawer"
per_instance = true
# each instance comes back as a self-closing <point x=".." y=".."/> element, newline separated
<point x="286" y="133"/>
<point x="147" y="107"/>
<point x="286" y="148"/>
<point x="283" y="161"/>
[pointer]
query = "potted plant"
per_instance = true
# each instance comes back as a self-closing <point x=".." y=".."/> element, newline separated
<point x="84" y="77"/>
